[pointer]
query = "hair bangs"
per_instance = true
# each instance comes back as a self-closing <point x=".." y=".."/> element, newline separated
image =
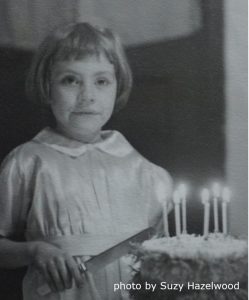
<point x="80" y="44"/>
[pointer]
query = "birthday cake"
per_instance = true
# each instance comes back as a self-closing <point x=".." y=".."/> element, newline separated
<point x="191" y="267"/>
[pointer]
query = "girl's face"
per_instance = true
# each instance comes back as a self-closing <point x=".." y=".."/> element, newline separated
<point x="83" y="94"/>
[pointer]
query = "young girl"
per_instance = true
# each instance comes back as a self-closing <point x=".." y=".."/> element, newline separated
<point x="73" y="181"/>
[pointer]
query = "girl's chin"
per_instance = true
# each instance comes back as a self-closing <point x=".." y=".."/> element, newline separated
<point x="84" y="135"/>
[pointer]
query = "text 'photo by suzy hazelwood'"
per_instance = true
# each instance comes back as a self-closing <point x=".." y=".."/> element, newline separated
<point x="123" y="155"/>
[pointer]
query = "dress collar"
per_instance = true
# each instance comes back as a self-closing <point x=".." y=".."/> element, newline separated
<point x="112" y="142"/>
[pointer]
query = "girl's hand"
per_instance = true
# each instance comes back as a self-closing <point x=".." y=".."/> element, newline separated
<point x="58" y="267"/>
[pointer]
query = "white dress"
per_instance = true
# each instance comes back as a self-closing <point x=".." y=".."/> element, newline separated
<point x="53" y="187"/>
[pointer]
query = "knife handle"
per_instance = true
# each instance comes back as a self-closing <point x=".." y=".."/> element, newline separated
<point x="90" y="280"/>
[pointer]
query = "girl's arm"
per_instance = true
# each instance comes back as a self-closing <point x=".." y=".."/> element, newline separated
<point x="57" y="266"/>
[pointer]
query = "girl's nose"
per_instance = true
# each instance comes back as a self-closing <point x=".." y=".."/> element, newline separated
<point x="86" y="94"/>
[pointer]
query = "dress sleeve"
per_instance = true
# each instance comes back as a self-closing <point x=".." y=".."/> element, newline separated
<point x="161" y="193"/>
<point x="13" y="201"/>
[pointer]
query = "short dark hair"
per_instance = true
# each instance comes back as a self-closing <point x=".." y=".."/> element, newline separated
<point x="76" y="41"/>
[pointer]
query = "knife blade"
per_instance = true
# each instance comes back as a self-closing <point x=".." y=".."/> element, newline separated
<point x="106" y="257"/>
<point x="97" y="262"/>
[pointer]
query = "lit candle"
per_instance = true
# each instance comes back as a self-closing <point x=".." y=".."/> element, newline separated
<point x="205" y="201"/>
<point x="226" y="196"/>
<point x="216" y="193"/>
<point x="176" y="200"/>
<point x="183" y="193"/>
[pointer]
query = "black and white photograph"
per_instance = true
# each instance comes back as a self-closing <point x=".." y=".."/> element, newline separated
<point x="123" y="150"/>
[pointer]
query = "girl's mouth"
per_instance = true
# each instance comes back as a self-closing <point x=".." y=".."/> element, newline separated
<point x="85" y="113"/>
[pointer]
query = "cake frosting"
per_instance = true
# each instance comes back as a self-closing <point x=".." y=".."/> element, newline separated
<point x="192" y="259"/>
<point x="217" y="246"/>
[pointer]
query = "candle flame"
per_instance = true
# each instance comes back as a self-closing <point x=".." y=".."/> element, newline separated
<point x="182" y="190"/>
<point x="226" y="194"/>
<point x="216" y="190"/>
<point x="205" y="196"/>
<point x="176" y="197"/>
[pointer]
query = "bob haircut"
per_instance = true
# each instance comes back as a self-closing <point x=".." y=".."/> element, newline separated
<point x="74" y="42"/>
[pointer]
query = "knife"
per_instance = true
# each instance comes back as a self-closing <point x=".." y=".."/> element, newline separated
<point x="106" y="257"/>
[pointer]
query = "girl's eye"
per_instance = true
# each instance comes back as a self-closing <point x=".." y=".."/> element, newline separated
<point x="102" y="81"/>
<point x="70" y="80"/>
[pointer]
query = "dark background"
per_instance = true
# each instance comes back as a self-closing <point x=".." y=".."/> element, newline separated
<point x="175" y="116"/>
